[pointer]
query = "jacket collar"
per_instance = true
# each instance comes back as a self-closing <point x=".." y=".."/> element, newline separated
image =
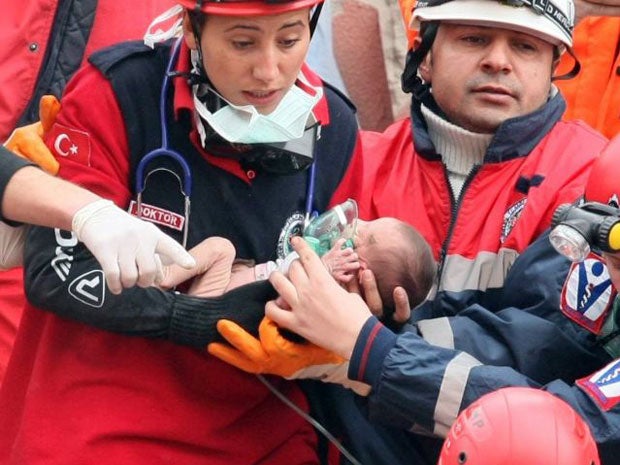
<point x="515" y="137"/>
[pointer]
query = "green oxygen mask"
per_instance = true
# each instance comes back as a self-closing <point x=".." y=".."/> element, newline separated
<point x="322" y="232"/>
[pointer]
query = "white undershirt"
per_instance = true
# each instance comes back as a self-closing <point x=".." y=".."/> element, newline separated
<point x="459" y="148"/>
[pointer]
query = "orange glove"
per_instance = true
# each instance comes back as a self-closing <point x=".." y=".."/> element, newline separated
<point x="275" y="355"/>
<point x="272" y="354"/>
<point x="27" y="141"/>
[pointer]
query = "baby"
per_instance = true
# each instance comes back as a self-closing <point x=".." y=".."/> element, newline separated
<point x="395" y="252"/>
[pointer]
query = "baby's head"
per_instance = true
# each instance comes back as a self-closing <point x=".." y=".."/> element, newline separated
<point x="398" y="255"/>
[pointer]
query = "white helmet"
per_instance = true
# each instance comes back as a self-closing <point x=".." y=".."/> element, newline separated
<point x="550" y="20"/>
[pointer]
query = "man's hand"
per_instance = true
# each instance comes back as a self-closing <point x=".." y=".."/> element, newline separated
<point x="272" y="353"/>
<point x="320" y="310"/>
<point x="129" y="250"/>
<point x="584" y="8"/>
<point x="27" y="141"/>
<point x="368" y="289"/>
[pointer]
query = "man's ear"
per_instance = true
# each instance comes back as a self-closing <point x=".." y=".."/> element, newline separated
<point x="425" y="67"/>
<point x="188" y="32"/>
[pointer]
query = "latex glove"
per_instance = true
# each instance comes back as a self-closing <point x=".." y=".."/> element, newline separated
<point x="275" y="355"/>
<point x="131" y="251"/>
<point x="27" y="141"/>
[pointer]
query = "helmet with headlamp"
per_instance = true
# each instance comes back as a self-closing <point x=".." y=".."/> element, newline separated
<point x="549" y="20"/>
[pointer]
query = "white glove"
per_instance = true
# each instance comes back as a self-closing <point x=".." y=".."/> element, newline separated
<point x="130" y="251"/>
<point x="11" y="246"/>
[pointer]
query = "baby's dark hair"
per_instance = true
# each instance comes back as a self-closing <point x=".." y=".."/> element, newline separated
<point x="407" y="262"/>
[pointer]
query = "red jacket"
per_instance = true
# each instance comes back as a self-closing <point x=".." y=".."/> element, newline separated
<point x="533" y="164"/>
<point x="26" y="30"/>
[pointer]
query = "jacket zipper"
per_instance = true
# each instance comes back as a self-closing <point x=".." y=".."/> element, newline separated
<point x="453" y="215"/>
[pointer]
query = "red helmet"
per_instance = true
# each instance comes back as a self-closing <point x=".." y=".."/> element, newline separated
<point x="519" y="426"/>
<point x="246" y="8"/>
<point x="603" y="185"/>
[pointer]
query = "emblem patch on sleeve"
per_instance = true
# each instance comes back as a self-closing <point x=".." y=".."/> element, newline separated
<point x="588" y="295"/>
<point x="71" y="143"/>
<point x="604" y="385"/>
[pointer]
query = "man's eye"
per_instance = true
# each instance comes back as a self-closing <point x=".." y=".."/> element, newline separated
<point x="526" y="47"/>
<point x="473" y="39"/>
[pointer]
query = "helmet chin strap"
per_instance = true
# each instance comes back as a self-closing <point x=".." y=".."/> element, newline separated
<point x="573" y="72"/>
<point x="410" y="81"/>
<point x="201" y="77"/>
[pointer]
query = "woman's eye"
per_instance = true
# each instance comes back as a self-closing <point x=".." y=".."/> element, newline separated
<point x="288" y="43"/>
<point x="240" y="44"/>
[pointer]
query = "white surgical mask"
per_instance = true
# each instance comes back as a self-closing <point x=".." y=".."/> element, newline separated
<point x="245" y="125"/>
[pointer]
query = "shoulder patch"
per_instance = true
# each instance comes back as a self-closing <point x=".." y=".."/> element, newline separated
<point x="588" y="294"/>
<point x="604" y="385"/>
<point x="70" y="143"/>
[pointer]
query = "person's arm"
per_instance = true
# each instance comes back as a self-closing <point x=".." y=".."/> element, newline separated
<point x="212" y="275"/>
<point x="27" y="198"/>
<point x="129" y="250"/>
<point x="415" y="382"/>
<point x="63" y="277"/>
<point x="432" y="367"/>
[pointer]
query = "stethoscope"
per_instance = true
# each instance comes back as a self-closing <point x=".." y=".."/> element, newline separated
<point x="185" y="182"/>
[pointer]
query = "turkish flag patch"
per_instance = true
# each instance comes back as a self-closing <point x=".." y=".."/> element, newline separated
<point x="70" y="143"/>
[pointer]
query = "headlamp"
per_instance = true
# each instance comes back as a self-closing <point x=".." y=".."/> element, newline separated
<point x="577" y="229"/>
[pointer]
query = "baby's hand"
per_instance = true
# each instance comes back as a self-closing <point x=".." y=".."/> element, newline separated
<point x="343" y="264"/>
<point x="211" y="275"/>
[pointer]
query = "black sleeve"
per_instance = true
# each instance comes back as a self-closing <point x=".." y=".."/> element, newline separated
<point x="9" y="165"/>
<point x="63" y="277"/>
